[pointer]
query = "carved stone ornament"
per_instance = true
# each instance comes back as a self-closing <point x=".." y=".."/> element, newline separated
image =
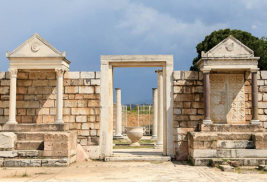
<point x="35" y="47"/>
<point x="59" y="72"/>
<point x="13" y="72"/>
<point x="230" y="47"/>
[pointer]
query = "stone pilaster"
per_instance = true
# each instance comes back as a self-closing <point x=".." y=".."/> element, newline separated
<point x="12" y="99"/>
<point x="155" y="114"/>
<point x="206" y="77"/>
<point x="254" y="91"/>
<point x="159" y="143"/>
<point x="59" y="117"/>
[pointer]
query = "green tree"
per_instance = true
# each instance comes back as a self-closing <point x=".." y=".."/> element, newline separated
<point x="259" y="46"/>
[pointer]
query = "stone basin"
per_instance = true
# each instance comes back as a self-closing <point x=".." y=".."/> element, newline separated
<point x="134" y="134"/>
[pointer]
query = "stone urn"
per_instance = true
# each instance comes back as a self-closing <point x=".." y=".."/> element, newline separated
<point x="134" y="134"/>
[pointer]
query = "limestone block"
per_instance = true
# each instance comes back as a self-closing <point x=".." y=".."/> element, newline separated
<point x="5" y="82"/>
<point x="87" y="74"/>
<point x="234" y="136"/>
<point x="203" y="144"/>
<point x="252" y="153"/>
<point x="198" y="105"/>
<point x="51" y="75"/>
<point x="264" y="97"/>
<point x="55" y="162"/>
<point x="227" y="168"/>
<point x="176" y="75"/>
<point x="235" y="144"/>
<point x="52" y="83"/>
<point x="70" y="103"/>
<point x="199" y="136"/>
<point x="4" y="90"/>
<point x="85" y="126"/>
<point x="8" y="154"/>
<point x="69" y="119"/>
<point x="42" y="111"/>
<point x="40" y="83"/>
<point x="2" y="75"/>
<point x="1" y="162"/>
<point x="24" y="83"/>
<point x="95" y="81"/>
<point x="7" y="140"/>
<point x="22" y="75"/>
<point x="92" y="132"/>
<point x="183" y="97"/>
<point x="196" y="118"/>
<point x="82" y="111"/>
<point x="181" y="117"/>
<point x="87" y="81"/>
<point x="97" y="89"/>
<point x="71" y="75"/>
<point x="28" y="104"/>
<point x="71" y="89"/>
<point x="191" y="75"/>
<point x="263" y="117"/>
<point x="32" y="90"/>
<point x="4" y="104"/>
<point x="86" y="89"/>
<point x="94" y="103"/>
<point x="263" y="74"/>
<point x="97" y="74"/>
<point x="3" y="119"/>
<point x="216" y="162"/>
<point x="200" y="75"/>
<point x="260" y="82"/>
<point x="77" y="82"/>
<point x="263" y="88"/>
<point x="7" y="76"/>
<point x="197" y="89"/>
<point x="82" y="103"/>
<point x="42" y="75"/>
<point x="177" y="111"/>
<point x="92" y="96"/>
<point x="81" y="119"/>
<point x="178" y="104"/>
<point x="66" y="82"/>
<point x="48" y="119"/>
<point x="203" y="153"/>
<point x="48" y="103"/>
<point x="84" y="132"/>
<point x="22" y="90"/>
<point x="92" y="151"/>
<point x="189" y="111"/>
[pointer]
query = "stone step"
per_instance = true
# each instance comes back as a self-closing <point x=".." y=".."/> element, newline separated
<point x="231" y="128"/>
<point x="28" y="153"/>
<point x="235" y="144"/>
<point x="30" y="145"/>
<point x="227" y="153"/>
<point x="36" y="162"/>
<point x="28" y="136"/>
<point x="35" y="127"/>
<point x="138" y="159"/>
<point x="241" y="161"/>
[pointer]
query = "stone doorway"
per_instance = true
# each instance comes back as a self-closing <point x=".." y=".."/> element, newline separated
<point x="227" y="98"/>
<point x="106" y="100"/>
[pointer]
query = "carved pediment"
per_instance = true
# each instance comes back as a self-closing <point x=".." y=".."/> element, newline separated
<point x="36" y="46"/>
<point x="229" y="48"/>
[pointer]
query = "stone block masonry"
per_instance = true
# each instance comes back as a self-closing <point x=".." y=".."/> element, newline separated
<point x="188" y="105"/>
<point x="36" y="101"/>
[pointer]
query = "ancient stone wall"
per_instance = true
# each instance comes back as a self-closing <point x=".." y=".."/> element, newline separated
<point x="36" y="101"/>
<point x="188" y="104"/>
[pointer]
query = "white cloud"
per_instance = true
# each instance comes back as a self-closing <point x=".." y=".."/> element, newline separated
<point x="254" y="27"/>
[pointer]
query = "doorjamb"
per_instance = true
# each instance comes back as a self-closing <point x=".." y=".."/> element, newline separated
<point x="106" y="97"/>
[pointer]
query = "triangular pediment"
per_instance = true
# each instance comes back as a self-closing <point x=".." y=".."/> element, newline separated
<point x="36" y="46"/>
<point x="229" y="48"/>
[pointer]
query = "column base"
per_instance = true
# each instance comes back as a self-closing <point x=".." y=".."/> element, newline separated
<point x="59" y="121"/>
<point x="207" y="121"/>
<point x="158" y="146"/>
<point x="154" y="137"/>
<point x="12" y="122"/>
<point x="118" y="137"/>
<point x="255" y="122"/>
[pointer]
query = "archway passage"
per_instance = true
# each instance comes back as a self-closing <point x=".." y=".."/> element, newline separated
<point x="106" y="100"/>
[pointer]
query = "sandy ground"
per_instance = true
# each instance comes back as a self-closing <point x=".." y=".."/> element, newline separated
<point x="125" y="171"/>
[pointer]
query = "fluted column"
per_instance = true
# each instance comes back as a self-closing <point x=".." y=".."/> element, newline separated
<point x="159" y="143"/>
<point x="155" y="114"/>
<point x="254" y="89"/>
<point x="206" y="75"/>
<point x="118" y="133"/>
<point x="59" y="117"/>
<point x="12" y="99"/>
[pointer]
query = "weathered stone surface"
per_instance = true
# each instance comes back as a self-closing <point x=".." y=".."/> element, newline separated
<point x="231" y="128"/>
<point x="199" y="136"/>
<point x="216" y="162"/>
<point x="177" y="75"/>
<point x="30" y="153"/>
<point x="234" y="136"/>
<point x="71" y="75"/>
<point x="87" y="74"/>
<point x="7" y="140"/>
<point x="191" y="75"/>
<point x="29" y="145"/>
<point x="233" y="163"/>
<point x="227" y="168"/>
<point x="8" y="154"/>
<point x="35" y="127"/>
<point x="203" y="153"/>
<point x="81" y="155"/>
<point x="235" y="144"/>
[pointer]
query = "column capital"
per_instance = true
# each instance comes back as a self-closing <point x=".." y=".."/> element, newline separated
<point x="59" y="72"/>
<point x="254" y="70"/>
<point x="158" y="71"/>
<point x="206" y="70"/>
<point x="154" y="88"/>
<point x="13" y="72"/>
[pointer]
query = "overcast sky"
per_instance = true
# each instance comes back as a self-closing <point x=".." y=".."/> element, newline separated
<point x="86" y="29"/>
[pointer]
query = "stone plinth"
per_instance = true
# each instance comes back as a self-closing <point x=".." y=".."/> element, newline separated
<point x="35" y="127"/>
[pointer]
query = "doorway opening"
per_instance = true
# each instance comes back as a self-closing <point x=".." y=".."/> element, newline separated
<point x="108" y="63"/>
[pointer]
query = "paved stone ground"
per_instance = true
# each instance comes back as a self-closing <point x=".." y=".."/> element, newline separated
<point x="125" y="171"/>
